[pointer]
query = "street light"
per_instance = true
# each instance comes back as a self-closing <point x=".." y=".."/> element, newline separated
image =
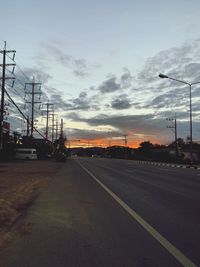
<point x="161" y="75"/>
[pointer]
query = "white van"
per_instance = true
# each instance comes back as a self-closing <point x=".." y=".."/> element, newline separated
<point x="25" y="153"/>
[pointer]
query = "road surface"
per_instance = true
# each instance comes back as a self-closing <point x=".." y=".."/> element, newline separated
<point x="112" y="213"/>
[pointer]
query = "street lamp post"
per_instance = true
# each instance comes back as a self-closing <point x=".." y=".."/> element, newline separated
<point x="161" y="75"/>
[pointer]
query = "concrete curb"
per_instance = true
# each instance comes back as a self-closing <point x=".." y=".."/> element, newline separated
<point x="172" y="165"/>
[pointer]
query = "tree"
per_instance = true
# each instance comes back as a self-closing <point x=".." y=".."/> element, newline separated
<point x="146" y="146"/>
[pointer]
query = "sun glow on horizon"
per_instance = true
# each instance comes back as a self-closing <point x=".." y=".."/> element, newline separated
<point x="104" y="142"/>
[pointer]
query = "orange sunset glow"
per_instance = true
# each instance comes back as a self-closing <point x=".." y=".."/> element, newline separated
<point x="103" y="142"/>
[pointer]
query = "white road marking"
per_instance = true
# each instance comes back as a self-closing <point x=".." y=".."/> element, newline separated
<point x="186" y="262"/>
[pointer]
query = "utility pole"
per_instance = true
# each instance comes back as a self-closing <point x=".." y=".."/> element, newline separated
<point x="125" y="139"/>
<point x="33" y="102"/>
<point x="28" y="126"/>
<point x="61" y="129"/>
<point x="125" y="144"/>
<point x="3" y="78"/>
<point x="57" y="128"/>
<point x="48" y="110"/>
<point x="173" y="127"/>
<point x="53" y="125"/>
<point x="61" y="140"/>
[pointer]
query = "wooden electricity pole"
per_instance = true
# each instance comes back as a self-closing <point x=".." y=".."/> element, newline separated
<point x="33" y="102"/>
<point x="3" y="79"/>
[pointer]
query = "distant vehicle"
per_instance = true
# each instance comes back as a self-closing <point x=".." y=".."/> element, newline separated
<point x="25" y="153"/>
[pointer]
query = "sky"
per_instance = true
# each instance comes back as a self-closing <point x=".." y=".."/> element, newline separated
<point x="98" y="63"/>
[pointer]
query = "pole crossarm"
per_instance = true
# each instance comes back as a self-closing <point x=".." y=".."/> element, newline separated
<point x="7" y="65"/>
<point x="7" y="78"/>
<point x="8" y="51"/>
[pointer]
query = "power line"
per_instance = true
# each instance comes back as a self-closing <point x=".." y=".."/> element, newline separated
<point x="21" y="112"/>
<point x="17" y="92"/>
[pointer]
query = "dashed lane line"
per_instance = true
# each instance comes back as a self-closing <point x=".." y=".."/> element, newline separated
<point x="186" y="262"/>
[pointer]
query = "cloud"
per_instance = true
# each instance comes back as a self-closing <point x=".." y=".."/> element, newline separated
<point x="191" y="69"/>
<point x="121" y="102"/>
<point x="126" y="79"/>
<point x="155" y="98"/>
<point x="110" y="85"/>
<point x="175" y="98"/>
<point x="81" y="68"/>
<point x="81" y="103"/>
<point x="91" y="134"/>
<point x="38" y="74"/>
<point x="119" y="121"/>
<point x="179" y="62"/>
<point x="90" y="99"/>
<point x="151" y="127"/>
<point x="59" y="103"/>
<point x="78" y="65"/>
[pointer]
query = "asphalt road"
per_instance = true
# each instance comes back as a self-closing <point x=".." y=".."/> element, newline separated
<point x="112" y="213"/>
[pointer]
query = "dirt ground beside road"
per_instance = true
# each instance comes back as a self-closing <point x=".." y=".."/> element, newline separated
<point x="20" y="182"/>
